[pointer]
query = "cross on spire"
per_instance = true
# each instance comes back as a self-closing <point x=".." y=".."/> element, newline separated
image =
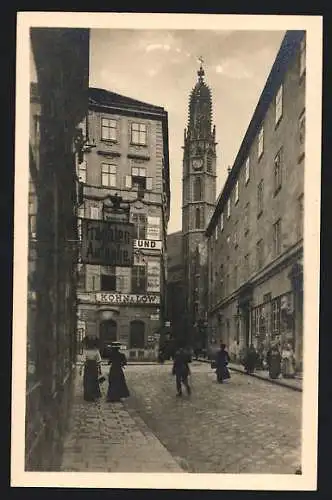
<point x="200" y="72"/>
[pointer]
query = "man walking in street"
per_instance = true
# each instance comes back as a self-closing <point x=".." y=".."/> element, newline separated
<point x="181" y="371"/>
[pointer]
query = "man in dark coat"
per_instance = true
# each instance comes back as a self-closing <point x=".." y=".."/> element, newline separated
<point x="222" y="360"/>
<point x="181" y="371"/>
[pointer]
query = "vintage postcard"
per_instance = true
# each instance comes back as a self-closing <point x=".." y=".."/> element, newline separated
<point x="166" y="253"/>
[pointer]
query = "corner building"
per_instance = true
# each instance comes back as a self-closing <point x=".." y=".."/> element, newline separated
<point x="126" y="154"/>
<point x="255" y="236"/>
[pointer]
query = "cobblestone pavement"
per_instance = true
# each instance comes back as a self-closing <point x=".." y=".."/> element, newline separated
<point x="246" y="425"/>
<point x="104" y="437"/>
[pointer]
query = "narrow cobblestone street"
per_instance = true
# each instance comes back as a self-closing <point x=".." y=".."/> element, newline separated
<point x="244" y="426"/>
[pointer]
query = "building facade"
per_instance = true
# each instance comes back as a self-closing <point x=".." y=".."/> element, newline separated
<point x="58" y="103"/>
<point x="175" y="285"/>
<point x="255" y="236"/>
<point x="126" y="156"/>
<point x="198" y="191"/>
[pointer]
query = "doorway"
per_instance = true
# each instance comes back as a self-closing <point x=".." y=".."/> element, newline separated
<point x="137" y="334"/>
<point x="107" y="333"/>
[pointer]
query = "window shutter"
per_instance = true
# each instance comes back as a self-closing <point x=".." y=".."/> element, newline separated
<point x="128" y="181"/>
<point x="94" y="213"/>
<point x="149" y="183"/>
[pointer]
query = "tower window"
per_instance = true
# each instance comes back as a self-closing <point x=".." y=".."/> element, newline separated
<point x="302" y="57"/>
<point x="209" y="164"/>
<point x="198" y="222"/>
<point x="197" y="189"/>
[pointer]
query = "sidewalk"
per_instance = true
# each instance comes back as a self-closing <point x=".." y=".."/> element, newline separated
<point x="295" y="383"/>
<point x="105" y="437"/>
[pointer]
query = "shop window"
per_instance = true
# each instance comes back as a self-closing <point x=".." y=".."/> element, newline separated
<point x="275" y="317"/>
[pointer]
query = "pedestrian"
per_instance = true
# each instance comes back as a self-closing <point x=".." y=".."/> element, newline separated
<point x="117" y="386"/>
<point x="274" y="362"/>
<point x="250" y="360"/>
<point x="288" y="361"/>
<point x="181" y="370"/>
<point x="91" y="363"/>
<point x="222" y="360"/>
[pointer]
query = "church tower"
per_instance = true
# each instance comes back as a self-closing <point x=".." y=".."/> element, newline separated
<point x="198" y="183"/>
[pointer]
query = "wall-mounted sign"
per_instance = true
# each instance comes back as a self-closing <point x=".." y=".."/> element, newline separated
<point x="148" y="244"/>
<point x="107" y="243"/>
<point x="153" y="228"/>
<point x="153" y="268"/>
<point x="127" y="298"/>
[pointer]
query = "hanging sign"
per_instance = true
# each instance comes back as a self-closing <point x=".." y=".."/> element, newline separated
<point x="107" y="243"/>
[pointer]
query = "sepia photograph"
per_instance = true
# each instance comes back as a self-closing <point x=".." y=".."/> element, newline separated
<point x="166" y="251"/>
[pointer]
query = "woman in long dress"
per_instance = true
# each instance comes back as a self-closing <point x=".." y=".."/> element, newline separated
<point x="117" y="386"/>
<point x="274" y="362"/>
<point x="222" y="360"/>
<point x="92" y="370"/>
<point x="288" y="362"/>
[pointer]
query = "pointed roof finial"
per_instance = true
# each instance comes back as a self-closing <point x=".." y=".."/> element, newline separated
<point x="201" y="72"/>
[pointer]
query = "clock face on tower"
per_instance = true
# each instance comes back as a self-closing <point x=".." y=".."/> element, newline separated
<point x="197" y="163"/>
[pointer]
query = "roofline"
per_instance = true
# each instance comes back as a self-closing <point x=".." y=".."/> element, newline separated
<point x="287" y="51"/>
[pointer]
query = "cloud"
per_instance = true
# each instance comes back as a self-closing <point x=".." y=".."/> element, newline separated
<point x="152" y="72"/>
<point x="158" y="46"/>
<point x="233" y="68"/>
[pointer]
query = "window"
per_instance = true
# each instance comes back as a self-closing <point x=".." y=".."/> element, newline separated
<point x="246" y="218"/>
<point x="236" y="191"/>
<point x="300" y="215"/>
<point x="228" y="208"/>
<point x="260" y="142"/>
<point x="197" y="189"/>
<point x="140" y="222"/>
<point x="227" y="284"/>
<point x="138" y="180"/>
<point x="247" y="170"/>
<point x="138" y="279"/>
<point x="81" y="276"/>
<point x="260" y="254"/>
<point x="302" y="127"/>
<point x="222" y="222"/>
<point x="32" y="226"/>
<point x="260" y="197"/>
<point x="216" y="233"/>
<point x="302" y="57"/>
<point x="277" y="172"/>
<point x="139" y="134"/>
<point x="94" y="213"/>
<point x="235" y="277"/>
<point x="246" y="266"/>
<point x="108" y="175"/>
<point x="108" y="279"/>
<point x="108" y="129"/>
<point x="279" y="104"/>
<point x="275" y="316"/>
<point x="198" y="218"/>
<point x="236" y="242"/>
<point x="82" y="171"/>
<point x="277" y="237"/>
<point x="209" y="164"/>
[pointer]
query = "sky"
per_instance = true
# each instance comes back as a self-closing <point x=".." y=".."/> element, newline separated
<point x="160" y="67"/>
